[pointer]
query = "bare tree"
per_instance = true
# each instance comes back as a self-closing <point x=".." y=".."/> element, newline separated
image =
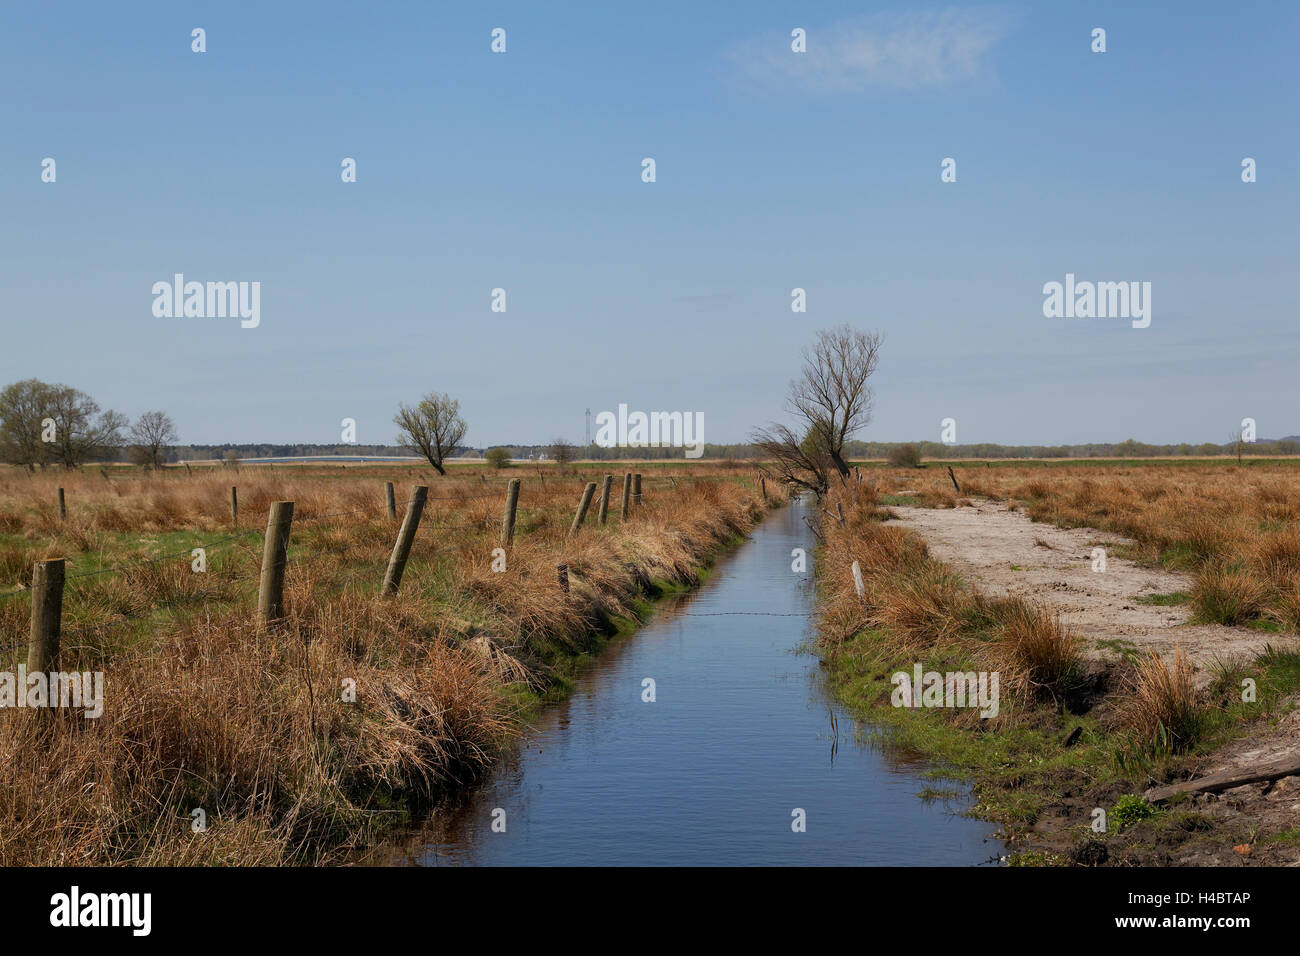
<point x="82" y="431"/>
<point x="833" y="387"/>
<point x="562" y="452"/>
<point x="433" y="428"/>
<point x="151" y="433"/>
<point x="833" y="398"/>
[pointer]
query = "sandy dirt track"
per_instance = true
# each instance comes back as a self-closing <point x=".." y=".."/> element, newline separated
<point x="1002" y="552"/>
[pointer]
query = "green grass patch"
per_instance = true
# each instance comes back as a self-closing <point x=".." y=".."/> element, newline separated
<point x="1171" y="599"/>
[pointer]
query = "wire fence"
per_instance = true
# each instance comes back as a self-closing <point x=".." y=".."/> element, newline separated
<point x="302" y="565"/>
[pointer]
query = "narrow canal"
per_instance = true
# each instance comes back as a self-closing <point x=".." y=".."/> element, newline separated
<point x="738" y="738"/>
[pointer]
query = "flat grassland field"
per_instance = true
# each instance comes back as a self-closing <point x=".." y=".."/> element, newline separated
<point x="204" y="706"/>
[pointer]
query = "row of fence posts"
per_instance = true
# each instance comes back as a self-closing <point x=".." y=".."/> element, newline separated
<point x="48" y="576"/>
<point x="631" y="489"/>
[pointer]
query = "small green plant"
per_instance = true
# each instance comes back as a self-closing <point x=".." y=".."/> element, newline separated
<point x="497" y="457"/>
<point x="1130" y="809"/>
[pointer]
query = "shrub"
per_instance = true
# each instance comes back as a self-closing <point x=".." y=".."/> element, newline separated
<point x="905" y="456"/>
<point x="498" y="457"/>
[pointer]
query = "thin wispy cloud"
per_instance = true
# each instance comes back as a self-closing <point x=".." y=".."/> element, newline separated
<point x="909" y="49"/>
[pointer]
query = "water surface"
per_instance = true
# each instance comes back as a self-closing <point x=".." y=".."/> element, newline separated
<point x="738" y="737"/>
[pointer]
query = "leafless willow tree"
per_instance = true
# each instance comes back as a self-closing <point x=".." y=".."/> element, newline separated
<point x="151" y="433"/>
<point x="433" y="428"/>
<point x="832" y="398"/>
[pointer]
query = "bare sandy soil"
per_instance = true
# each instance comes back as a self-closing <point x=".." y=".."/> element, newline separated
<point x="1003" y="552"/>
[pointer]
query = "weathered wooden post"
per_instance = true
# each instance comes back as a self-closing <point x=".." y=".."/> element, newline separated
<point x="636" y="489"/>
<point x="762" y="486"/>
<point x="405" y="536"/>
<point x="63" y="507"/>
<point x="627" y="493"/>
<point x="604" y="499"/>
<point x="390" y="500"/>
<point x="47" y="616"/>
<point x="234" y="505"/>
<point x="562" y="572"/>
<point x="954" y="479"/>
<point x="508" y="520"/>
<point x="188" y="472"/>
<point x="275" y="555"/>
<point x="857" y="579"/>
<point x="583" y="505"/>
<point x="839" y="512"/>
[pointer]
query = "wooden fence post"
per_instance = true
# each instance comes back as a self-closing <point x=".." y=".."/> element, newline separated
<point x="954" y="479"/>
<point x="234" y="505"/>
<point x="275" y="555"/>
<point x="857" y="579"/>
<point x="508" y="520"/>
<point x="562" y="572"/>
<point x="636" y="489"/>
<point x="47" y="616"/>
<point x="627" y="493"/>
<point x="604" y="499"/>
<point x="63" y="508"/>
<point x="762" y="486"/>
<point x="406" y="535"/>
<point x="390" y="500"/>
<point x="583" y="505"/>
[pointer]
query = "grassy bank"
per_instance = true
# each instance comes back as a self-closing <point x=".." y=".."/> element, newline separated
<point x="306" y="742"/>
<point x="1072" y="735"/>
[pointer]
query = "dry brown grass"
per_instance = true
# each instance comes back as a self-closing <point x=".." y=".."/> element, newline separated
<point x="1163" y="710"/>
<point x="204" y="712"/>
<point x="927" y="611"/>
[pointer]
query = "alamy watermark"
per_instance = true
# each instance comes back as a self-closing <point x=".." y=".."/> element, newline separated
<point x="653" y="430"/>
<point x="43" y="689"/>
<point x="211" y="300"/>
<point x="1098" y="300"/>
<point x="924" y="688"/>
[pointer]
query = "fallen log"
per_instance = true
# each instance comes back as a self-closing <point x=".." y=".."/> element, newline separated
<point x="1228" y="779"/>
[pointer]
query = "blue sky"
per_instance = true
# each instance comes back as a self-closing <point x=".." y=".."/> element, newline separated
<point x="775" y="170"/>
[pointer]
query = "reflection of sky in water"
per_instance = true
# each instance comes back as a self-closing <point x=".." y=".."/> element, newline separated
<point x="739" y="736"/>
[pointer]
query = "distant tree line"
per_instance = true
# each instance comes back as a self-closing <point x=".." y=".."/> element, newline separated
<point x="48" y="425"/>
